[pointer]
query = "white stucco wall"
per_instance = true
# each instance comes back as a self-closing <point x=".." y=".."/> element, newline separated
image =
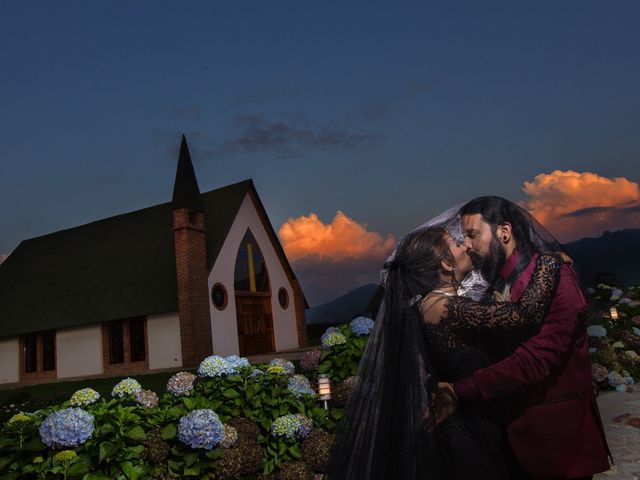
<point x="163" y="335"/>
<point x="223" y="323"/>
<point x="79" y="351"/>
<point x="9" y="360"/>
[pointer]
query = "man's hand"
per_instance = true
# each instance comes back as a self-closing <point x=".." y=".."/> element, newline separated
<point x="444" y="404"/>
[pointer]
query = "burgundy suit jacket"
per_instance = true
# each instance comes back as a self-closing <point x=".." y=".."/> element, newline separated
<point x="553" y="422"/>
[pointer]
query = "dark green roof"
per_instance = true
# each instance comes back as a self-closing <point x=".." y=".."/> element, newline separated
<point x="119" y="267"/>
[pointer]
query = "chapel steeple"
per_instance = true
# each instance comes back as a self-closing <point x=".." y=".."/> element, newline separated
<point x="186" y="193"/>
<point x="189" y="238"/>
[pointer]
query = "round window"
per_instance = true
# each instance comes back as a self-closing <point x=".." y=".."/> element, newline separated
<point x="219" y="296"/>
<point x="283" y="297"/>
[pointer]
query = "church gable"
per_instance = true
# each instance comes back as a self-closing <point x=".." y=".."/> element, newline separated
<point x="273" y="275"/>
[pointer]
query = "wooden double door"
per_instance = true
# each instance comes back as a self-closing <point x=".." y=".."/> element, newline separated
<point x="255" y="323"/>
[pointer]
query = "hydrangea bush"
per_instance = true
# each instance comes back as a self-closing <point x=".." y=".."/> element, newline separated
<point x="181" y="383"/>
<point x="67" y="428"/>
<point x="231" y="420"/>
<point x="84" y="397"/>
<point x="361" y="326"/>
<point x="343" y="348"/>
<point x="295" y="426"/>
<point x="201" y="429"/>
<point x="126" y="387"/>
<point x="215" y="366"/>
<point x="614" y="342"/>
<point x="299" y="385"/>
<point x="286" y="365"/>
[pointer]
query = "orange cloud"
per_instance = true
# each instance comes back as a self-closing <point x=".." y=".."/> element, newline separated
<point x="333" y="258"/>
<point x="341" y="239"/>
<point x="574" y="205"/>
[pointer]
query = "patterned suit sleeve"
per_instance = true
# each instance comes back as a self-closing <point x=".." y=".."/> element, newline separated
<point x="466" y="316"/>
<point x="539" y="357"/>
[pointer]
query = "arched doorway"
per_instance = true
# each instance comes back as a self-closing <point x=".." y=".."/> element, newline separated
<point x="253" y="299"/>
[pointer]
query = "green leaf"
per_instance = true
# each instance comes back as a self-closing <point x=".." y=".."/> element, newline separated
<point x="34" y="445"/>
<point x="190" y="403"/>
<point x="295" y="451"/>
<point x="78" y="468"/>
<point x="4" y="461"/>
<point x="230" y="393"/>
<point x="175" y="466"/>
<point x="131" y="471"/>
<point x="190" y="459"/>
<point x="169" y="432"/>
<point x="107" y="449"/>
<point x="137" y="433"/>
<point x="106" y="429"/>
<point x="213" y="454"/>
<point x="234" y="379"/>
<point x="282" y="448"/>
<point x="174" y="412"/>
<point x="192" y="471"/>
<point x="96" y="476"/>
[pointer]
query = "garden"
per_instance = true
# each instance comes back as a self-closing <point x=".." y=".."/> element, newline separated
<point x="233" y="420"/>
<point x="227" y="420"/>
<point x="614" y="336"/>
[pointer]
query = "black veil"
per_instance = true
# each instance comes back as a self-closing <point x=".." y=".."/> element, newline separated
<point x="382" y="435"/>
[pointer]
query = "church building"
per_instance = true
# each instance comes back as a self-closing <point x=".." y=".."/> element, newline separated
<point x="157" y="288"/>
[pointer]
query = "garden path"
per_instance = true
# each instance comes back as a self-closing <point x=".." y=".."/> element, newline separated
<point x="621" y="417"/>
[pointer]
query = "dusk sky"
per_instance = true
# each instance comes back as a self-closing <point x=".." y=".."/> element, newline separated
<point x="356" y="120"/>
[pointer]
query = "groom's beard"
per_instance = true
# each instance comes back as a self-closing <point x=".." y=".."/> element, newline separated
<point x="491" y="264"/>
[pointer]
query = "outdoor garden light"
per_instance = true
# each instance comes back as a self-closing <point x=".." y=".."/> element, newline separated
<point x="324" y="389"/>
<point x="614" y="313"/>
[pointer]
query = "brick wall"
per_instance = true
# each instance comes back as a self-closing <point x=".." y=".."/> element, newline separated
<point x="193" y="295"/>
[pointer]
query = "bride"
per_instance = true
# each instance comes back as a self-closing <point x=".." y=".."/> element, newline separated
<point x="421" y="336"/>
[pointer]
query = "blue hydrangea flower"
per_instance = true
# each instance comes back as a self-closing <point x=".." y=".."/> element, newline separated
<point x="125" y="387"/>
<point x="294" y="426"/>
<point x="201" y="429"/>
<point x="332" y="339"/>
<point x="215" y="366"/>
<point x="67" y="428"/>
<point x="361" y="326"/>
<point x="237" y="362"/>
<point x="615" y="379"/>
<point x="299" y="385"/>
<point x="255" y="373"/>
<point x="596" y="331"/>
<point x="288" y="367"/>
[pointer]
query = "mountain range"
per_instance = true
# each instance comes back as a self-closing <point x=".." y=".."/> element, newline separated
<point x="616" y="254"/>
<point x="612" y="257"/>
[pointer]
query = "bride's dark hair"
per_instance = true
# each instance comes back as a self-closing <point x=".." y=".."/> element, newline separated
<point x="382" y="435"/>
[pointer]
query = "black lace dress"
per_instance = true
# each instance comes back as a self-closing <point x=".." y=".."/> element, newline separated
<point x="472" y="443"/>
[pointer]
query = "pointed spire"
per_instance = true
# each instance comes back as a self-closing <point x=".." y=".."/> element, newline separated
<point x="186" y="193"/>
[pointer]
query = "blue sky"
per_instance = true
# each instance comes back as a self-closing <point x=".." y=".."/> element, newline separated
<point x="387" y="112"/>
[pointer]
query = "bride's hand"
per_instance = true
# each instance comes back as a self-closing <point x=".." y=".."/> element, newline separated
<point x="444" y="404"/>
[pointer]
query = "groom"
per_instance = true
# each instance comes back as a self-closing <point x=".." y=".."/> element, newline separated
<point x="552" y="419"/>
